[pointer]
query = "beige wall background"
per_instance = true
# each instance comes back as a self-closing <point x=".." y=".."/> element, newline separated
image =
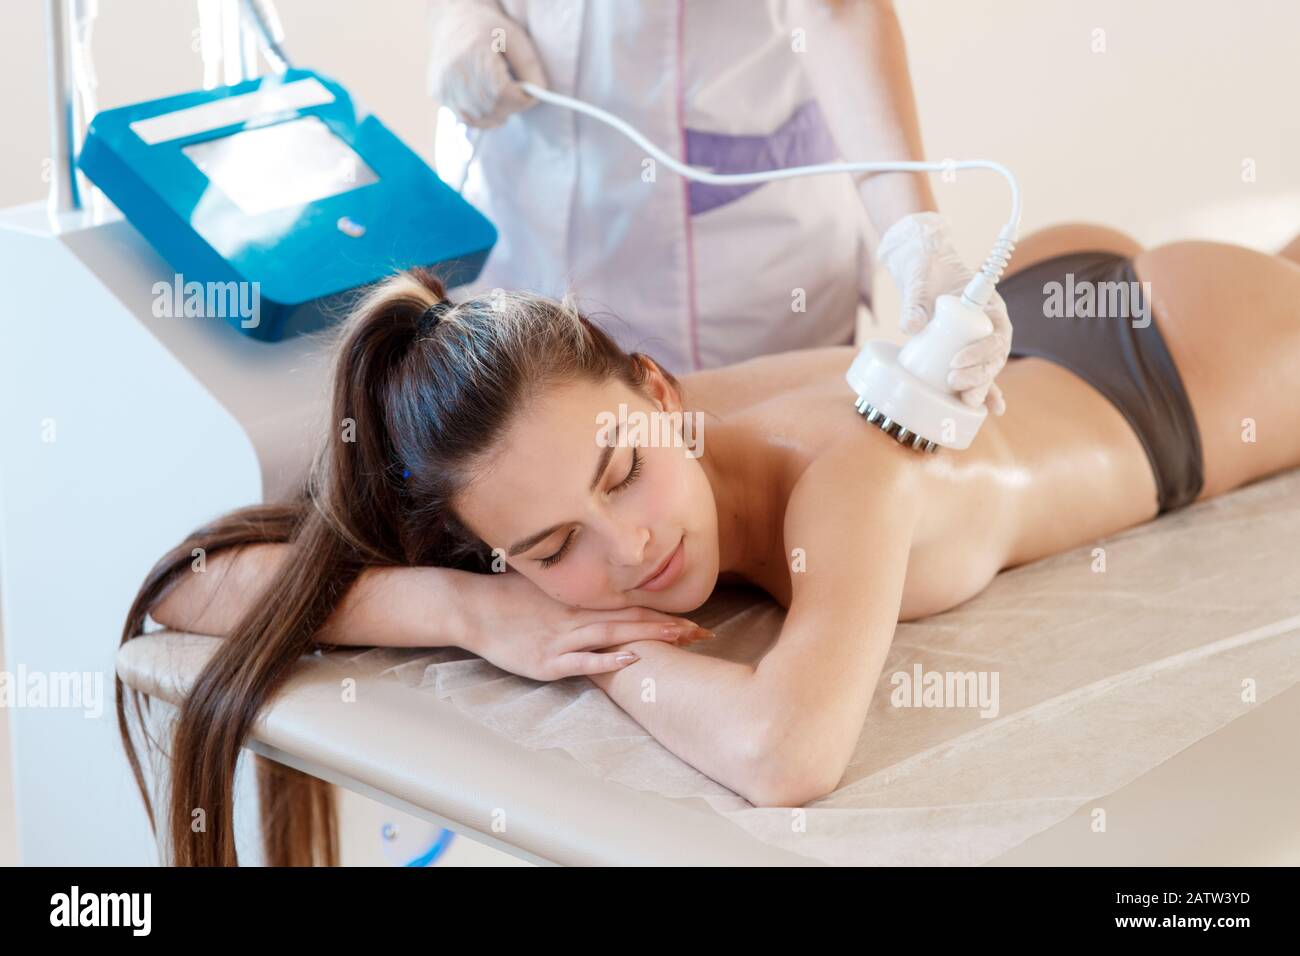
<point x="1149" y="135"/>
<point x="1143" y="114"/>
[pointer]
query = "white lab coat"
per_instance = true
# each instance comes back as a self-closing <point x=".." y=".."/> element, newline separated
<point x="696" y="277"/>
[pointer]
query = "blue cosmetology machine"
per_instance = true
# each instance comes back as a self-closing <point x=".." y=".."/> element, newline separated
<point x="128" y="421"/>
<point x="284" y="184"/>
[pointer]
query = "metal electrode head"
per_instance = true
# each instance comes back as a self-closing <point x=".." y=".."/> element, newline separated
<point x="892" y="428"/>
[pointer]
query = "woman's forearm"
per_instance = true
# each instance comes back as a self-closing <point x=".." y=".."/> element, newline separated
<point x="699" y="707"/>
<point x="404" y="607"/>
<point x="400" y="607"/>
<point x="856" y="62"/>
<point x="759" y="732"/>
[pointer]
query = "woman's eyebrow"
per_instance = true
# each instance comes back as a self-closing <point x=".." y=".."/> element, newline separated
<point x="607" y="452"/>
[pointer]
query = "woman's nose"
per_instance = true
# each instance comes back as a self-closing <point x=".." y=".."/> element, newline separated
<point x="630" y="544"/>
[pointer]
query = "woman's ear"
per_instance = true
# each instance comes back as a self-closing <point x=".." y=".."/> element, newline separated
<point x="659" y="385"/>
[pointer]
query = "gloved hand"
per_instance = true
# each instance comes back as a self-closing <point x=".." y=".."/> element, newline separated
<point x="919" y="253"/>
<point x="473" y="41"/>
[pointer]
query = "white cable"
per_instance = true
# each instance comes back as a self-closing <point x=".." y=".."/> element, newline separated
<point x="263" y="17"/>
<point x="980" y="289"/>
<point x="475" y="141"/>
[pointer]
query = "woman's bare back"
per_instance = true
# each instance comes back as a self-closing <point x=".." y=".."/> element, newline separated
<point x="1032" y="483"/>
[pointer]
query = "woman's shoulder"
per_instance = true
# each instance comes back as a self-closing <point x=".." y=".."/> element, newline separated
<point x="853" y="476"/>
<point x="735" y="388"/>
<point x="852" y="512"/>
<point x="857" y="456"/>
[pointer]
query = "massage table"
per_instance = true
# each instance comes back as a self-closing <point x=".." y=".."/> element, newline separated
<point x="1149" y="714"/>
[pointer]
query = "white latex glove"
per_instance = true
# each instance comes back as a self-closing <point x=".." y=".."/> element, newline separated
<point x="475" y="47"/>
<point x="921" y="258"/>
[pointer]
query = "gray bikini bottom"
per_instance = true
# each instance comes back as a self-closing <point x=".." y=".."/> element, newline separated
<point x="1087" y="312"/>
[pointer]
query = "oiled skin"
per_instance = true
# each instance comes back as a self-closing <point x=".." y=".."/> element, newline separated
<point x="1061" y="467"/>
<point x="1032" y="483"/>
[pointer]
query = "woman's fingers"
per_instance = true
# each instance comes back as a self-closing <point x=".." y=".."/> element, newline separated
<point x="611" y="633"/>
<point x="588" y="662"/>
<point x="591" y="662"/>
<point x="634" y="613"/>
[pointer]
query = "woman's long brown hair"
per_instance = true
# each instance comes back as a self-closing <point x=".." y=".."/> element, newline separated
<point x="415" y="407"/>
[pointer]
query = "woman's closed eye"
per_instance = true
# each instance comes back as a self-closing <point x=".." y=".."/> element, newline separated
<point x="632" y="474"/>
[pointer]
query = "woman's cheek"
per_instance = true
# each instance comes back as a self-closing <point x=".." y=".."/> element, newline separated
<point x="578" y="583"/>
<point x="667" y="487"/>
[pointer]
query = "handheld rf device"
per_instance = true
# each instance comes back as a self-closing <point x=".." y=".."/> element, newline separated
<point x="902" y="391"/>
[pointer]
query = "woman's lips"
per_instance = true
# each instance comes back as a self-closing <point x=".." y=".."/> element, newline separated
<point x="667" y="573"/>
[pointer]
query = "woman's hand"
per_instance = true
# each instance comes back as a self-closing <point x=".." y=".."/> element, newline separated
<point x="515" y="625"/>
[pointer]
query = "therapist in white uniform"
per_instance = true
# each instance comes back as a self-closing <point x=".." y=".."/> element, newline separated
<point x="700" y="275"/>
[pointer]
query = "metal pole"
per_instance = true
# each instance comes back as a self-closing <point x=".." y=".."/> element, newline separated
<point x="64" y="196"/>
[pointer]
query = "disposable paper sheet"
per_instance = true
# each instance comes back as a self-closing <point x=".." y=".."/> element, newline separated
<point x="1102" y="676"/>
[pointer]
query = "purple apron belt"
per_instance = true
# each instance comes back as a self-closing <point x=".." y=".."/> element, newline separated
<point x="801" y="140"/>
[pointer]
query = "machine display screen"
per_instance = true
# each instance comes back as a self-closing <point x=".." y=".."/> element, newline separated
<point x="286" y="164"/>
